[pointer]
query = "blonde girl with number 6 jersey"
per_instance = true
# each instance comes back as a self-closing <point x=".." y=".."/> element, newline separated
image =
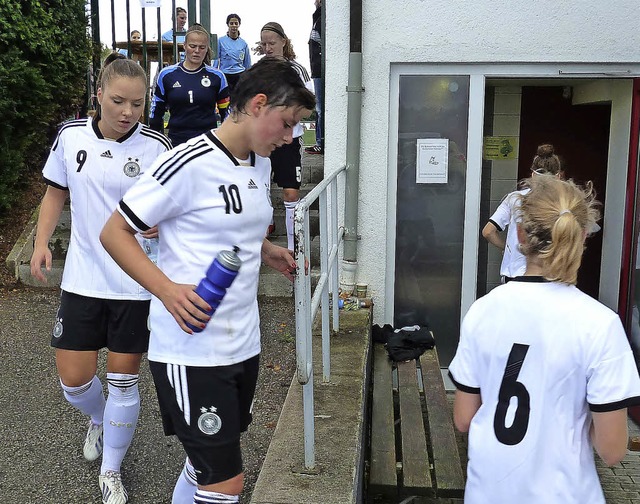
<point x="544" y="373"/>
<point x="94" y="161"/>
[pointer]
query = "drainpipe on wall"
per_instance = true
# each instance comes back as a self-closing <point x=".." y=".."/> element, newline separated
<point x="354" y="113"/>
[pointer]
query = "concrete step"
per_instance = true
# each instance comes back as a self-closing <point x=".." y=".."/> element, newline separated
<point x="54" y="277"/>
<point x="312" y="168"/>
<point x="275" y="284"/>
<point x="59" y="242"/>
<point x="277" y="200"/>
<point x="281" y="227"/>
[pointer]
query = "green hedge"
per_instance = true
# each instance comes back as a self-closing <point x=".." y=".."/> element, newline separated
<point x="44" y="56"/>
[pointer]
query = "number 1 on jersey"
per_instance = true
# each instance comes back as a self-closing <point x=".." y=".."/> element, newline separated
<point x="190" y="96"/>
<point x="511" y="387"/>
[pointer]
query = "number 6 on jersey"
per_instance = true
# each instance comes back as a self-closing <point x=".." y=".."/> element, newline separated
<point x="511" y="387"/>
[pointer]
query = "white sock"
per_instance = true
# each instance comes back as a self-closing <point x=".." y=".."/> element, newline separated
<point x="120" y="419"/>
<point x="185" y="490"/>
<point x="204" y="497"/>
<point x="289" y="207"/>
<point x="88" y="398"/>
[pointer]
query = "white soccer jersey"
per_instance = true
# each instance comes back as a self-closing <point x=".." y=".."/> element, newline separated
<point x="97" y="172"/>
<point x="204" y="201"/>
<point x="542" y="355"/>
<point x="513" y="262"/>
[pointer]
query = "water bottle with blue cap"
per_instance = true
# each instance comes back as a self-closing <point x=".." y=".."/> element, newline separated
<point x="214" y="285"/>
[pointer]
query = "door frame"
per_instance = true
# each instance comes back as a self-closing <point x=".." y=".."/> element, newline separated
<point x="618" y="88"/>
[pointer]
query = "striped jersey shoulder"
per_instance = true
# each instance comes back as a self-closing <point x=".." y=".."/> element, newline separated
<point x="156" y="135"/>
<point x="73" y="123"/>
<point x="168" y="69"/>
<point x="180" y="158"/>
<point x="302" y="71"/>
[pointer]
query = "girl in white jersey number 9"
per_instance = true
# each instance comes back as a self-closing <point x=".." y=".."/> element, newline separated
<point x="544" y="373"/>
<point x="94" y="161"/>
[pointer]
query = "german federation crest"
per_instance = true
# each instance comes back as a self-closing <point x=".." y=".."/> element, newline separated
<point x="206" y="82"/>
<point x="58" y="328"/>
<point x="209" y="422"/>
<point x="131" y="168"/>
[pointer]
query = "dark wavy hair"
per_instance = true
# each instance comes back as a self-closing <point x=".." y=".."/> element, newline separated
<point x="275" y="78"/>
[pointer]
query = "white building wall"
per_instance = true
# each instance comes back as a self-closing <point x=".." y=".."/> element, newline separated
<point x="441" y="31"/>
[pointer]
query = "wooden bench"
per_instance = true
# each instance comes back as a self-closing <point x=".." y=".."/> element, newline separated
<point x="413" y="445"/>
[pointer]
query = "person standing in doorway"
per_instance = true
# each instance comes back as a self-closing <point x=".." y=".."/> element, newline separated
<point x="315" y="58"/>
<point x="544" y="372"/>
<point x="286" y="160"/>
<point x="233" y="52"/>
<point x="546" y="162"/>
<point x="190" y="90"/>
<point x="94" y="161"/>
<point x="208" y="196"/>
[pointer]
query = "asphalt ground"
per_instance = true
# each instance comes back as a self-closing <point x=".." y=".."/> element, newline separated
<point x="41" y="449"/>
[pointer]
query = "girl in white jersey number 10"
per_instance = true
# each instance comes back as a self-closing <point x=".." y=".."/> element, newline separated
<point x="544" y="373"/>
<point x="207" y="195"/>
<point x="94" y="161"/>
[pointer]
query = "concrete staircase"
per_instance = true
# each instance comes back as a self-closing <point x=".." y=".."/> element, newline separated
<point x="271" y="283"/>
<point x="20" y="256"/>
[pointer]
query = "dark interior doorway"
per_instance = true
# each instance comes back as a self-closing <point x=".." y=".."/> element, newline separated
<point x="580" y="135"/>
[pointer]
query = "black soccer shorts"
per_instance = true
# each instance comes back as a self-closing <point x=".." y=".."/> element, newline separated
<point x="286" y="164"/>
<point x="86" y="323"/>
<point x="207" y="408"/>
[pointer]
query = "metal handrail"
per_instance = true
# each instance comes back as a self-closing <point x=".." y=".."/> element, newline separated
<point x="306" y="304"/>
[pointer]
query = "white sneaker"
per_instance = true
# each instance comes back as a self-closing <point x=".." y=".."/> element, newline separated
<point x="93" y="442"/>
<point x="111" y="487"/>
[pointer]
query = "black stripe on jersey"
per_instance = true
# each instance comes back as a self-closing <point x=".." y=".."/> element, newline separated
<point x="222" y="147"/>
<point x="181" y="157"/>
<point x="53" y="184"/>
<point x="133" y="217"/>
<point x="496" y="225"/>
<point x="302" y="71"/>
<point x="530" y="279"/>
<point x="148" y="132"/>
<point x="614" y="406"/>
<point x="71" y="124"/>
<point x="464" y="388"/>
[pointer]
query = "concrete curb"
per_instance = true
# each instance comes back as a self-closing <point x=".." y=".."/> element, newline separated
<point x="340" y="417"/>
<point x="23" y="248"/>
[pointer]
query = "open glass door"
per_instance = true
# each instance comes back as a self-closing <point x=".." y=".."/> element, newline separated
<point x="431" y="160"/>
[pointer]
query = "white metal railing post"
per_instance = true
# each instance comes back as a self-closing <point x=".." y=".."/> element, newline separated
<point x="306" y="304"/>
<point x="324" y="266"/>
<point x="335" y="240"/>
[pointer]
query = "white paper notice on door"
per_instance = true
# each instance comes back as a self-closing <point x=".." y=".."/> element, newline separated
<point x="146" y="4"/>
<point x="432" y="161"/>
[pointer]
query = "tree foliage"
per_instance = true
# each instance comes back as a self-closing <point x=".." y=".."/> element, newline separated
<point x="44" y="57"/>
